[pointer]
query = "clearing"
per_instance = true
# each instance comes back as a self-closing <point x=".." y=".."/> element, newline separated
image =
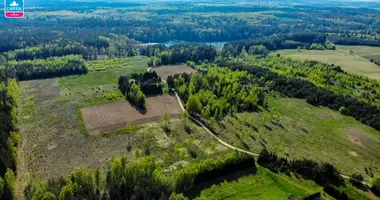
<point x="360" y="50"/>
<point x="165" y="71"/>
<point x="306" y="131"/>
<point x="55" y="140"/>
<point x="116" y="115"/>
<point x="350" y="63"/>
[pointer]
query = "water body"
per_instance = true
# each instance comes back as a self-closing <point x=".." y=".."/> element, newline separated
<point x="174" y="42"/>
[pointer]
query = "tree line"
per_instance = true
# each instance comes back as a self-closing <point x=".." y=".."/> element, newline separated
<point x="9" y="137"/>
<point x="321" y="173"/>
<point x="111" y="46"/>
<point x="49" y="68"/>
<point x="144" y="179"/>
<point x="184" y="180"/>
<point x="181" y="53"/>
<point x="354" y="40"/>
<point x="304" y="40"/>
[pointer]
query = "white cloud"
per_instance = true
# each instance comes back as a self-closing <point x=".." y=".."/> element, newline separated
<point x="14" y="4"/>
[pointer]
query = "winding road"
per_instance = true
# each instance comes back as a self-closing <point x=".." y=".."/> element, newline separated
<point x="211" y="133"/>
<point x="236" y="148"/>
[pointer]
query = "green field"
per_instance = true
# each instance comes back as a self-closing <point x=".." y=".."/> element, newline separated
<point x="360" y="50"/>
<point x="99" y="87"/>
<point x="350" y="63"/>
<point x="268" y="185"/>
<point x="262" y="185"/>
<point x="306" y="131"/>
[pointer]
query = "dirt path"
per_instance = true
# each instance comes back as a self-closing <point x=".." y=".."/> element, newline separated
<point x="212" y="134"/>
<point x="235" y="148"/>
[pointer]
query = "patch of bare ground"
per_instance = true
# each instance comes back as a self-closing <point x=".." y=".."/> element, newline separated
<point x="362" y="138"/>
<point x="326" y="115"/>
<point x="116" y="115"/>
<point x="165" y="71"/>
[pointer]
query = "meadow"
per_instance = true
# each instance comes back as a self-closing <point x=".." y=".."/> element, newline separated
<point x="55" y="140"/>
<point x="350" y="63"/>
<point x="305" y="131"/>
<point x="265" y="184"/>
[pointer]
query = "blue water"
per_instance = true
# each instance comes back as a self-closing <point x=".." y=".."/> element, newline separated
<point x="174" y="42"/>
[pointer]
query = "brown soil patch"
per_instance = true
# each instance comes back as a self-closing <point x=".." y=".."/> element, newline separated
<point x="165" y="71"/>
<point x="361" y="138"/>
<point x="325" y="115"/>
<point x="116" y="115"/>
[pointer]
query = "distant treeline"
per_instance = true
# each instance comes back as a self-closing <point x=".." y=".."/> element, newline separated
<point x="304" y="40"/>
<point x="112" y="46"/>
<point x="49" y="68"/>
<point x="181" y="53"/>
<point x="353" y="40"/>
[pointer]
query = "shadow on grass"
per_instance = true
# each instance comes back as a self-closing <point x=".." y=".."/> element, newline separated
<point x="229" y="178"/>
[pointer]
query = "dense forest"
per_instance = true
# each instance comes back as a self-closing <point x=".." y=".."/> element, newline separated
<point x="92" y="33"/>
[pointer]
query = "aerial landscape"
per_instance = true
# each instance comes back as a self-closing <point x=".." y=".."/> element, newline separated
<point x="180" y="100"/>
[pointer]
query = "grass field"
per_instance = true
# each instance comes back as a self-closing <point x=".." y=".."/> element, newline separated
<point x="350" y="63"/>
<point x="117" y="63"/>
<point x="54" y="135"/>
<point x="165" y="71"/>
<point x="268" y="185"/>
<point x="99" y="87"/>
<point x="360" y="50"/>
<point x="262" y="185"/>
<point x="308" y="132"/>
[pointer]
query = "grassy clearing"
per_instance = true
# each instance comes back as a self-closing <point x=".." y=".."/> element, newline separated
<point x="52" y="130"/>
<point x="263" y="185"/>
<point x="360" y="50"/>
<point x="101" y="86"/>
<point x="55" y="145"/>
<point x="268" y="185"/>
<point x="308" y="132"/>
<point x="117" y="63"/>
<point x="349" y="63"/>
